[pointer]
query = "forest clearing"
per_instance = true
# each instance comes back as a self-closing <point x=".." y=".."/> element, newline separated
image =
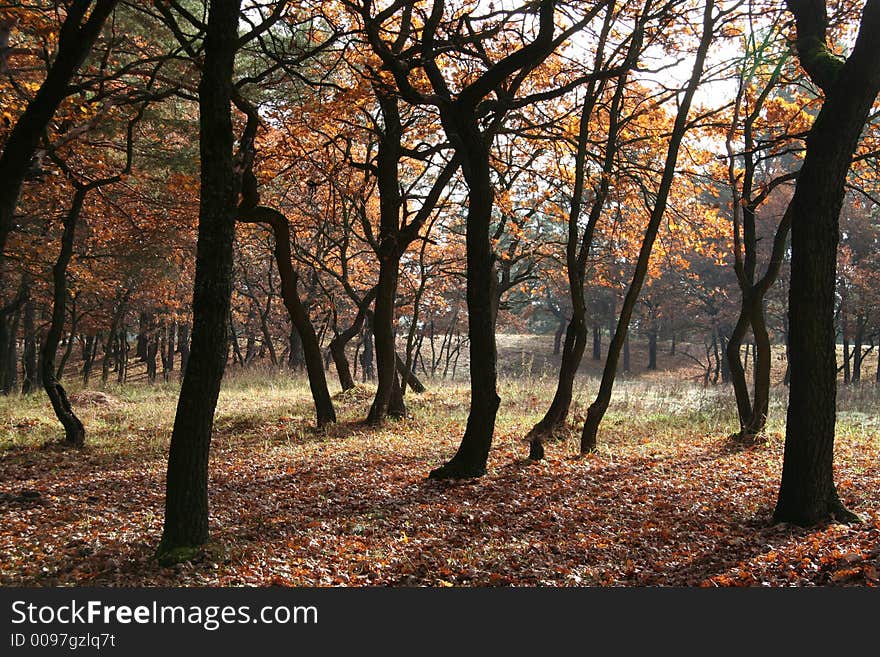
<point x="438" y="293"/>
<point x="668" y="499"/>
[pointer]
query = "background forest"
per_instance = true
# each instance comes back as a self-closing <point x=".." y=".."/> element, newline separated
<point x="543" y="293"/>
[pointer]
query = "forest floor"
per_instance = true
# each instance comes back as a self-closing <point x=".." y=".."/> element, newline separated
<point x="668" y="499"/>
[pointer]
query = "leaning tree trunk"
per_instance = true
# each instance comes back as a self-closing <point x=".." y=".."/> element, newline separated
<point x="807" y="494"/>
<point x="75" y="39"/>
<point x="299" y="316"/>
<point x="186" y="499"/>
<point x="572" y="353"/>
<point x="577" y="251"/>
<point x="74" y="431"/>
<point x="597" y="409"/>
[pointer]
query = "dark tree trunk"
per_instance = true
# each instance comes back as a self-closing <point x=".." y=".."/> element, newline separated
<point x="578" y="245"/>
<point x="409" y="375"/>
<point x="383" y="332"/>
<point x="572" y="353"/>
<point x="152" y="353"/>
<point x="388" y="251"/>
<point x="652" y="348"/>
<point x="9" y="352"/>
<point x="186" y="500"/>
<point x="295" y="359"/>
<point x="122" y="349"/>
<point x="597" y="409"/>
<point x="233" y="342"/>
<point x="74" y="432"/>
<point x="112" y="344"/>
<point x="143" y="337"/>
<point x="30" y="378"/>
<point x="183" y="347"/>
<point x="168" y="362"/>
<point x="71" y="338"/>
<point x="91" y="351"/>
<point x="368" y="373"/>
<point x="10" y="316"/>
<point x="557" y="337"/>
<point x="807" y="493"/>
<point x="597" y="342"/>
<point x="857" y="350"/>
<point x="267" y="335"/>
<point x="75" y="39"/>
<point x="299" y="316"/>
<point x="473" y="452"/>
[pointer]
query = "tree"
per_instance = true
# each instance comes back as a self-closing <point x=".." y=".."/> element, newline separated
<point x="597" y="409"/>
<point x="807" y="494"/>
<point x="186" y="496"/>
<point x="76" y="37"/>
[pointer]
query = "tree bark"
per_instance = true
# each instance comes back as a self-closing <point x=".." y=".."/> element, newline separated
<point x="473" y="452"/>
<point x="74" y="431"/>
<point x="186" y="499"/>
<point x="807" y="494"/>
<point x="597" y="409"/>
<point x="299" y="317"/>
<point x="76" y="38"/>
<point x="578" y="247"/>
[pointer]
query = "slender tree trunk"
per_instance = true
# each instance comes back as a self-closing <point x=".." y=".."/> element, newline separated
<point x="75" y="39"/>
<point x="597" y="409"/>
<point x="30" y="377"/>
<point x="578" y="245"/>
<point x="169" y="348"/>
<point x="9" y="352"/>
<point x="186" y="499"/>
<point x="89" y="360"/>
<point x="557" y="337"/>
<point x="652" y="348"/>
<point x="183" y="347"/>
<point x="597" y="342"/>
<point x="74" y="432"/>
<point x="857" y="350"/>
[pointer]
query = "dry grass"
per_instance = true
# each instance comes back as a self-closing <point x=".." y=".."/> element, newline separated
<point x="667" y="500"/>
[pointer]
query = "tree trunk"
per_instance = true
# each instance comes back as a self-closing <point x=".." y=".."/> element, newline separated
<point x="652" y="348"/>
<point x="169" y="349"/>
<point x="383" y="332"/>
<point x="9" y="352"/>
<point x="857" y="350"/>
<point x="557" y="337"/>
<point x="183" y="347"/>
<point x="89" y="359"/>
<point x="296" y="310"/>
<point x="597" y="409"/>
<point x="75" y="39"/>
<point x="29" y="383"/>
<point x="572" y="352"/>
<point x="74" y="432"/>
<point x="473" y="452"/>
<point x="186" y="500"/>
<point x="807" y="493"/>
<point x="597" y="342"/>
